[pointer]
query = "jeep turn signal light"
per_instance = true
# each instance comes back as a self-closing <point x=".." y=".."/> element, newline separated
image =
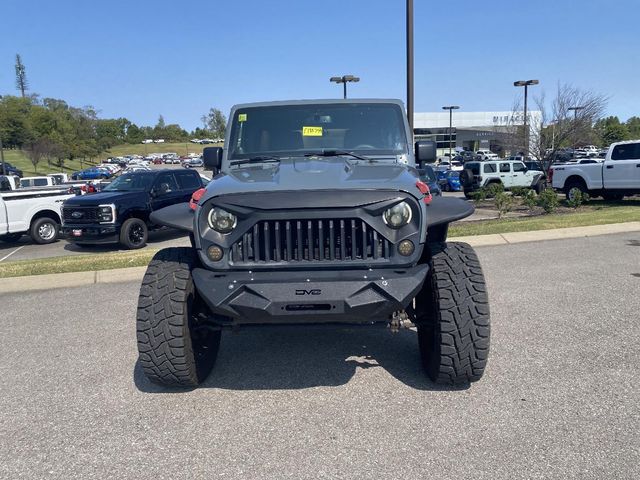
<point x="195" y="198"/>
<point x="424" y="189"/>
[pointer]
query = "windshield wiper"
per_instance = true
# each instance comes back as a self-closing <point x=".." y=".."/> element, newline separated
<point x="257" y="159"/>
<point x="337" y="153"/>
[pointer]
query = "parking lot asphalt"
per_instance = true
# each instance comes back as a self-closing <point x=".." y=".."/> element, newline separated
<point x="560" y="398"/>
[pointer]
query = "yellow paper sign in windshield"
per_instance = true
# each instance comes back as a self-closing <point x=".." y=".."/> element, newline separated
<point x="242" y="117"/>
<point x="311" y="131"/>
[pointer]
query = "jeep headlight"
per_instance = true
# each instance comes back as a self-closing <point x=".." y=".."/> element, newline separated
<point x="222" y="221"/>
<point x="398" y="215"/>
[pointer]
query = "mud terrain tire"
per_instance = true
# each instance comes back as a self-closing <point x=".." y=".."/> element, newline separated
<point x="174" y="349"/>
<point x="452" y="316"/>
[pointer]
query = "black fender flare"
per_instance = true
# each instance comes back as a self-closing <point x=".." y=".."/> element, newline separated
<point x="179" y="216"/>
<point x="536" y="179"/>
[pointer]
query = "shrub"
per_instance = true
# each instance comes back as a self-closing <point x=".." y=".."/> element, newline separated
<point x="578" y="199"/>
<point x="478" y="195"/>
<point x="520" y="191"/>
<point x="530" y="199"/>
<point x="504" y="203"/>
<point x="494" y="188"/>
<point x="548" y="200"/>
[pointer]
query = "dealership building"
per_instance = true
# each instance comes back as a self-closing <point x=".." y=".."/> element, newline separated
<point x="471" y="130"/>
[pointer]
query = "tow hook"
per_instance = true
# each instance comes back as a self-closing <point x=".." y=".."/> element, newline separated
<point x="399" y="320"/>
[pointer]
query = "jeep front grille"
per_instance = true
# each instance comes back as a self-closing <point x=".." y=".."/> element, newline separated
<point x="278" y="241"/>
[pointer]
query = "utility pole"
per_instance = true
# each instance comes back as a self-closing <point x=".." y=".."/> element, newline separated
<point x="410" y="90"/>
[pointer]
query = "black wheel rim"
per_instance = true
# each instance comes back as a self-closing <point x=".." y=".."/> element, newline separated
<point x="136" y="234"/>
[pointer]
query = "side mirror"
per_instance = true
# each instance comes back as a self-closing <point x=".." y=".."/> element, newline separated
<point x="425" y="151"/>
<point x="212" y="158"/>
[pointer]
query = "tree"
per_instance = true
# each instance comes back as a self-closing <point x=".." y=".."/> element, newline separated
<point x="21" y="76"/>
<point x="216" y="122"/>
<point x="633" y="126"/>
<point x="559" y="125"/>
<point x="610" y="130"/>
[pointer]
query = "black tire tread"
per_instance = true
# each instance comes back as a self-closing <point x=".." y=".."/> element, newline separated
<point x="460" y="317"/>
<point x="164" y="343"/>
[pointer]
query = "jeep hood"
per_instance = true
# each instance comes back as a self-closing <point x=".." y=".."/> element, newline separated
<point x="331" y="173"/>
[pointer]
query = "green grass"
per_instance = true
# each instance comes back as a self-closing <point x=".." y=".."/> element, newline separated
<point x="76" y="263"/>
<point x="596" y="213"/>
<point x="19" y="159"/>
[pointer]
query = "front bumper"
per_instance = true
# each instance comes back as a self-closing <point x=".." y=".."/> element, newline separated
<point x="351" y="296"/>
<point x="93" y="233"/>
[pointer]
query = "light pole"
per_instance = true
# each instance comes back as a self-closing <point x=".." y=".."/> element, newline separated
<point x="410" y="63"/>
<point x="575" y="111"/>
<point x="525" y="84"/>
<point x="344" y="80"/>
<point x="575" y="122"/>
<point x="451" y="108"/>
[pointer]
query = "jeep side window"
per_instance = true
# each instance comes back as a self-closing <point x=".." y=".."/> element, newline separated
<point x="519" y="167"/>
<point x="505" y="168"/>
<point x="490" y="168"/>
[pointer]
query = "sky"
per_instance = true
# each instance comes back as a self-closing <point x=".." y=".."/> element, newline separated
<point x="140" y="59"/>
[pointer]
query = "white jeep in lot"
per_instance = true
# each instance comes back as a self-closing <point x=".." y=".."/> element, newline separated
<point x="508" y="173"/>
<point x="618" y="175"/>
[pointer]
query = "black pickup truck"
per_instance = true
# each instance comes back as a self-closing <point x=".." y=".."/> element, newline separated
<point x="120" y="213"/>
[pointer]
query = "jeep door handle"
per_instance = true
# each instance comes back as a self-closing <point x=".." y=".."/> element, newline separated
<point x="609" y="166"/>
<point x="637" y="165"/>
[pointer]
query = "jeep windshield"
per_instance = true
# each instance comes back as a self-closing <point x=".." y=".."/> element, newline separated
<point x="131" y="182"/>
<point x="277" y="131"/>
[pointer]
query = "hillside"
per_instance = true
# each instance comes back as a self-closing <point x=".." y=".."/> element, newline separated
<point x="20" y="159"/>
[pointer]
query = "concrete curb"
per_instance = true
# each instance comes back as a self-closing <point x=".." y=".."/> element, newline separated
<point x="135" y="274"/>
<point x="555" y="234"/>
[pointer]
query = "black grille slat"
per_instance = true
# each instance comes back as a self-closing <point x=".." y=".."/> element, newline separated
<point x="289" y="245"/>
<point x="332" y="241"/>
<point x="365" y="240"/>
<point x="267" y="242"/>
<point x="343" y="241"/>
<point x="300" y="246"/>
<point x="292" y="241"/>
<point x="256" y="243"/>
<point x="354" y="241"/>
<point x="278" y="243"/>
<point x="320" y="240"/>
<point x="375" y="245"/>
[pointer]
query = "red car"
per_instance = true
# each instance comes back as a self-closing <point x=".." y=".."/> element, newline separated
<point x="157" y="161"/>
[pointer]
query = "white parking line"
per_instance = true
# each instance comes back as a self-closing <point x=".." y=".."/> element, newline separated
<point x="7" y="256"/>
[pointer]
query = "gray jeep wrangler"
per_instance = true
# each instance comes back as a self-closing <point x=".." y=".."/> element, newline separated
<point x="317" y="215"/>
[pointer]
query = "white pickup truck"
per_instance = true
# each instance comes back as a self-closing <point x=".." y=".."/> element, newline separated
<point x="618" y="175"/>
<point x="35" y="212"/>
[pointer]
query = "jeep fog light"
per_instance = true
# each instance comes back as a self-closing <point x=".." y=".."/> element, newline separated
<point x="406" y="248"/>
<point x="222" y="221"/>
<point x="214" y="253"/>
<point x="398" y="215"/>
